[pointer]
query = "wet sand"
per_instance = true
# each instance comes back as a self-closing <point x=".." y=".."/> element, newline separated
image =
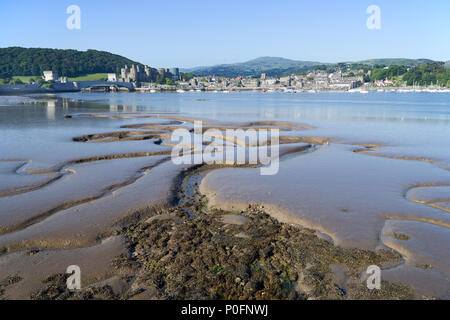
<point x="351" y="196"/>
<point x="31" y="268"/>
<point x="355" y="199"/>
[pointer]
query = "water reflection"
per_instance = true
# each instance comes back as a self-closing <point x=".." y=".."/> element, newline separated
<point x="129" y="108"/>
<point x="51" y="109"/>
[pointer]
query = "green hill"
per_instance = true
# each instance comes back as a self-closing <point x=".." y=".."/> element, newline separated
<point x="17" y="61"/>
<point x="397" y="61"/>
<point x="270" y="65"/>
<point x="274" y="66"/>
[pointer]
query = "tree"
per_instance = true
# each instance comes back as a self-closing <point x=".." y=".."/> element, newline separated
<point x="426" y="74"/>
<point x="17" y="61"/>
<point x="186" y="76"/>
<point x="159" y="79"/>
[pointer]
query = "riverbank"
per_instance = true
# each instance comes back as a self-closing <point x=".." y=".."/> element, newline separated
<point x="354" y="198"/>
<point x="24" y="89"/>
<point x="107" y="87"/>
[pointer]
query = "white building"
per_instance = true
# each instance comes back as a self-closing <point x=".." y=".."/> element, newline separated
<point x="50" y="76"/>
<point x="112" y="77"/>
<point x="270" y="82"/>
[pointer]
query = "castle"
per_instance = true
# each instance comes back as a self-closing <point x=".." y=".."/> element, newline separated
<point x="135" y="74"/>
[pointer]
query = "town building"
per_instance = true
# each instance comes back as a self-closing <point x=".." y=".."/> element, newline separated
<point x="50" y="76"/>
<point x="112" y="77"/>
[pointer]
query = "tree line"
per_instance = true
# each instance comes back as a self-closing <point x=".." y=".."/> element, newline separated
<point x="17" y="61"/>
<point x="423" y="74"/>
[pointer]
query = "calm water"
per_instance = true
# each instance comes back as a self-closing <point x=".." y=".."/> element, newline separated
<point x="416" y="124"/>
<point x="358" y="199"/>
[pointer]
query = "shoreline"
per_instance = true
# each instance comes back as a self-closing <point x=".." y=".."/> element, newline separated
<point x="198" y="210"/>
<point x="144" y="229"/>
<point x="125" y="279"/>
<point x="16" y="90"/>
<point x="229" y="255"/>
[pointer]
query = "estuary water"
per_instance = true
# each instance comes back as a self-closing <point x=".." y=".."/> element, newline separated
<point x="382" y="180"/>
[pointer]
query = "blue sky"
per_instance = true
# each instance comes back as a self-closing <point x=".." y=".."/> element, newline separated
<point x="206" y="32"/>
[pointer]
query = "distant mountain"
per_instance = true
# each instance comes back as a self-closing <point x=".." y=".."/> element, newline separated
<point x="270" y="65"/>
<point x="397" y="61"/>
<point x="447" y="64"/>
<point x="274" y="66"/>
<point x="17" y="61"/>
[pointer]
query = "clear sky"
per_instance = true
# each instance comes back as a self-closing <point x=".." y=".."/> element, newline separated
<point x="206" y="32"/>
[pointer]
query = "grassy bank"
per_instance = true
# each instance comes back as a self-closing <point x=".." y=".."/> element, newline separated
<point x="92" y="77"/>
<point x="27" y="79"/>
<point x="20" y="79"/>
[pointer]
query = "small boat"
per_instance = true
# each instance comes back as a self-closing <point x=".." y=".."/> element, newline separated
<point x="181" y="91"/>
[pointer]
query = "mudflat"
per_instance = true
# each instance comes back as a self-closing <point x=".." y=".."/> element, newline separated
<point x="107" y="197"/>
